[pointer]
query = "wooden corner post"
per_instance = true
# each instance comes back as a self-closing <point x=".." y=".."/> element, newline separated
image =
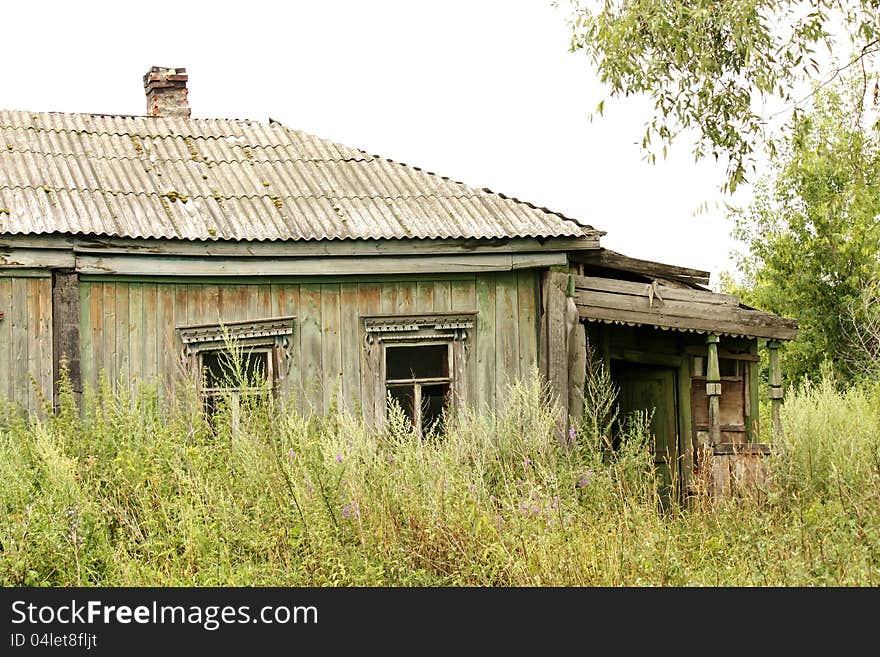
<point x="776" y="393"/>
<point x="713" y="390"/>
<point x="554" y="342"/>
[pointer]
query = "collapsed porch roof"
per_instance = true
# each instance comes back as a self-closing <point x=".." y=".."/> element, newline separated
<point x="653" y="304"/>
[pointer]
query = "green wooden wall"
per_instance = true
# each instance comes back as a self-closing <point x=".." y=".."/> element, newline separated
<point x="26" y="339"/>
<point x="127" y="326"/>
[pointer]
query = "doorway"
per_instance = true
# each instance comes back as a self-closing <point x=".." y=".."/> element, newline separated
<point x="652" y="389"/>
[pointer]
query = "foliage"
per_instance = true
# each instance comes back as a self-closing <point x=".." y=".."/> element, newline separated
<point x="812" y="231"/>
<point x="711" y="67"/>
<point x="133" y="492"/>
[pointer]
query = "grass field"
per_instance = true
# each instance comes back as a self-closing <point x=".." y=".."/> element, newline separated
<point x="130" y="493"/>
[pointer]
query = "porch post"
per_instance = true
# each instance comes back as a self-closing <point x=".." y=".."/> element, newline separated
<point x="713" y="390"/>
<point x="776" y="394"/>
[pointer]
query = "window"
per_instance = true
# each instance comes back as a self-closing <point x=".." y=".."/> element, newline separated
<point x="228" y="376"/>
<point x="236" y="361"/>
<point x="418" y="377"/>
<point x="418" y="361"/>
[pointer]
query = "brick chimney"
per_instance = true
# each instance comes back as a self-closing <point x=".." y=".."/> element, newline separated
<point x="166" y="92"/>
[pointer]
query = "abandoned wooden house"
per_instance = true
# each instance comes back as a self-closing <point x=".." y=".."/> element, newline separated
<point x="131" y="245"/>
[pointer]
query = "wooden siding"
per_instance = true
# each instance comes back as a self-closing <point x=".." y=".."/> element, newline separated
<point x="128" y="327"/>
<point x="26" y="340"/>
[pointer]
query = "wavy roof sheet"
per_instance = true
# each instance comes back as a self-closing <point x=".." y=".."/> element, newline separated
<point x="218" y="179"/>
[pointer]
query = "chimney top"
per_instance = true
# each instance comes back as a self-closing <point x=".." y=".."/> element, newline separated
<point x="166" y="92"/>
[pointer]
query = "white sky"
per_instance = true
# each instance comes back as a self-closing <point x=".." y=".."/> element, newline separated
<point x="485" y="92"/>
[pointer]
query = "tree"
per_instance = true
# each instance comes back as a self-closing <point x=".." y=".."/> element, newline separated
<point x="710" y="65"/>
<point x="812" y="231"/>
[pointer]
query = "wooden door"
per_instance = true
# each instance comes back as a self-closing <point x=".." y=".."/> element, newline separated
<point x="652" y="389"/>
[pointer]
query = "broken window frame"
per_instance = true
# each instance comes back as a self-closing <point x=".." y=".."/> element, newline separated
<point x="387" y="331"/>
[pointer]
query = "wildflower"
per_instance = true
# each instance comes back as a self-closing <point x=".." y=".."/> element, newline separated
<point x="572" y="435"/>
<point x="350" y="510"/>
<point x="585" y="478"/>
<point x="339" y="458"/>
<point x="291" y="454"/>
<point x="492" y="499"/>
<point x="390" y="459"/>
<point x="527" y="461"/>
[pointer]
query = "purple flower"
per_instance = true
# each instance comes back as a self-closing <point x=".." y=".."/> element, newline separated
<point x="291" y="454"/>
<point x="527" y="461"/>
<point x="572" y="434"/>
<point x="585" y="478"/>
<point x="390" y="459"/>
<point x="350" y="510"/>
<point x="339" y="458"/>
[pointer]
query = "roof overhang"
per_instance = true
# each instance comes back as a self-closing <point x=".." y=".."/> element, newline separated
<point x="652" y="304"/>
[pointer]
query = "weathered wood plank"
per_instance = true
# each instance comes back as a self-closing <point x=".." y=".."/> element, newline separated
<point x="370" y="302"/>
<point x="742" y="325"/>
<point x="407" y="297"/>
<point x="288" y="300"/>
<point x="463" y="298"/>
<point x="149" y="334"/>
<point x="612" y="260"/>
<point x="133" y="265"/>
<point x="67" y="317"/>
<point x="135" y="334"/>
<point x="331" y="348"/>
<point x="109" y="333"/>
<point x="484" y="393"/>
<point x="36" y="258"/>
<point x="351" y="346"/>
<point x="6" y="363"/>
<point x="425" y="296"/>
<point x="19" y="329"/>
<point x="506" y="336"/>
<point x="312" y="364"/>
<point x="593" y="283"/>
<point x="527" y="301"/>
<point x="32" y="363"/>
<point x="555" y="287"/>
<point x="165" y="338"/>
<point x="45" y="340"/>
<point x="442" y="296"/>
<point x="123" y="331"/>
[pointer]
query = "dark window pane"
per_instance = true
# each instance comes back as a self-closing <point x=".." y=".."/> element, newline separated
<point x="219" y="369"/>
<point x="404" y="396"/>
<point x="427" y="361"/>
<point x="434" y="400"/>
<point x="728" y="367"/>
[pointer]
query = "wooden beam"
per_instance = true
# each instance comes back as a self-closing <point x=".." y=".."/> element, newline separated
<point x="65" y="332"/>
<point x="554" y="303"/>
<point x="713" y="390"/>
<point x="612" y="260"/>
<point x="35" y="258"/>
<point x="296" y="248"/>
<point x="776" y="393"/>
<point x="734" y="328"/>
<point x="658" y="294"/>
<point x="312" y="266"/>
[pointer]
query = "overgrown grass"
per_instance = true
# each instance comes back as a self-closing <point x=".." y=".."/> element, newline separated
<point x="132" y="493"/>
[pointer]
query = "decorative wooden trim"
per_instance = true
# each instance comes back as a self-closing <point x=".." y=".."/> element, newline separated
<point x="382" y="330"/>
<point x="241" y="330"/>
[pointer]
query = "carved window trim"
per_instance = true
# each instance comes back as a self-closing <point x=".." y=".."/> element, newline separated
<point x="380" y="331"/>
<point x="272" y="335"/>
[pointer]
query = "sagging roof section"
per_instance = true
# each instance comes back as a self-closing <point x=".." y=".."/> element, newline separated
<point x="652" y="304"/>
<point x="217" y="179"/>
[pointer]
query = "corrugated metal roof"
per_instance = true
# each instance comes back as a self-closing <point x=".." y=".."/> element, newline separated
<point x="213" y="179"/>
